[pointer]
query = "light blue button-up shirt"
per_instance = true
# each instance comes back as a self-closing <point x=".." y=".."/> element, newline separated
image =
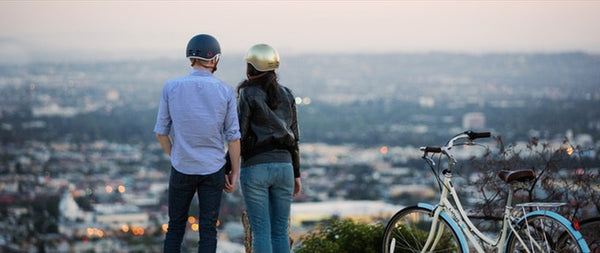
<point x="201" y="112"/>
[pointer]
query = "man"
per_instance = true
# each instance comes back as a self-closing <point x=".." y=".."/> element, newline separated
<point x="200" y="112"/>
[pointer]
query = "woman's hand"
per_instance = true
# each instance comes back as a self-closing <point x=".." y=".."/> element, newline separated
<point x="297" y="186"/>
<point x="231" y="181"/>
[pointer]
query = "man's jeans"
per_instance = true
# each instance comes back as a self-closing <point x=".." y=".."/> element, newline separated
<point x="182" y="188"/>
<point x="267" y="190"/>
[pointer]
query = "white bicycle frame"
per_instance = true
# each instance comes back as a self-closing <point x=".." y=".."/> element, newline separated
<point x="462" y="225"/>
<point x="458" y="215"/>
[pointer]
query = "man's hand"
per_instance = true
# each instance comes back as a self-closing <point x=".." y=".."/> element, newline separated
<point x="234" y="156"/>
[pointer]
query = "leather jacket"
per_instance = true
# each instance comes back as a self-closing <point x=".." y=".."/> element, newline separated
<point x="264" y="129"/>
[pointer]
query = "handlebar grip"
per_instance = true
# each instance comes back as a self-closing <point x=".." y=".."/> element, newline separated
<point x="474" y="135"/>
<point x="432" y="149"/>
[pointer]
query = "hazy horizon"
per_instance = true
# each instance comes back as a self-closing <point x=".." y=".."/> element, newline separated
<point x="142" y="29"/>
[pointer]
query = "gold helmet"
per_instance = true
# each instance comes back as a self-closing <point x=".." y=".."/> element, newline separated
<point x="262" y="57"/>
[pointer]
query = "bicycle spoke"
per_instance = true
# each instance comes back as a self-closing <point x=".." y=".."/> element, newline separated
<point x="408" y="231"/>
<point x="541" y="233"/>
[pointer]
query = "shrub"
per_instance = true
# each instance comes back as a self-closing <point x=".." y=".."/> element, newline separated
<point x="343" y="236"/>
<point x="562" y="175"/>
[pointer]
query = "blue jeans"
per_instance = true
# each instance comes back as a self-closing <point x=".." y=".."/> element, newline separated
<point x="182" y="188"/>
<point x="267" y="190"/>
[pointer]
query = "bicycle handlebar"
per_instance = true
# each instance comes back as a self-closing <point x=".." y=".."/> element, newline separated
<point x="470" y="135"/>
<point x="474" y="135"/>
<point x="432" y="149"/>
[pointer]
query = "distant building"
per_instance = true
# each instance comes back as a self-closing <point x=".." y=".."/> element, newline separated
<point x="70" y="210"/>
<point x="416" y="189"/>
<point x="117" y="215"/>
<point x="427" y="102"/>
<point x="53" y="110"/>
<point x="474" y="121"/>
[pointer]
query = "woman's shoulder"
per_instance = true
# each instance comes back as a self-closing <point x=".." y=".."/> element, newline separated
<point x="251" y="91"/>
<point x="286" y="91"/>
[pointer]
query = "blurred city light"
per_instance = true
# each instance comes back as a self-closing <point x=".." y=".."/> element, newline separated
<point x="569" y="150"/>
<point x="383" y="150"/>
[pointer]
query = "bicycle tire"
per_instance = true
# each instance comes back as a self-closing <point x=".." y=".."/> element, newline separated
<point x="408" y="229"/>
<point x="590" y="230"/>
<point x="547" y="234"/>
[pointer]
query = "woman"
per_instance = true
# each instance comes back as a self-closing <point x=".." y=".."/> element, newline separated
<point x="270" y="174"/>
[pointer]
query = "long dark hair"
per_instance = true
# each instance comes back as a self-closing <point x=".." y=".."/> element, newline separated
<point x="267" y="81"/>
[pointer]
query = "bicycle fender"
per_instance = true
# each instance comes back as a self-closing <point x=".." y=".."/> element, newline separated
<point x="564" y="221"/>
<point x="452" y="223"/>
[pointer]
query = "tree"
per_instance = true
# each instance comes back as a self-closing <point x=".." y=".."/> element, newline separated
<point x="561" y="176"/>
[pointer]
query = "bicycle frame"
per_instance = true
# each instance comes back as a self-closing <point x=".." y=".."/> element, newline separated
<point x="459" y="220"/>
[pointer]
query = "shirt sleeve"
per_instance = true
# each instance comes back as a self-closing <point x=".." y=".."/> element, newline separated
<point x="163" y="119"/>
<point x="232" y="128"/>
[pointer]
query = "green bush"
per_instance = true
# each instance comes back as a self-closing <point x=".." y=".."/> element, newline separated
<point x="341" y="236"/>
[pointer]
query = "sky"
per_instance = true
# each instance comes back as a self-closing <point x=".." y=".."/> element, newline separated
<point x="163" y="28"/>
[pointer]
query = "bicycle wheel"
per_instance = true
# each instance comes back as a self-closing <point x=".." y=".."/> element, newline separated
<point x="542" y="233"/>
<point x="590" y="230"/>
<point x="407" y="231"/>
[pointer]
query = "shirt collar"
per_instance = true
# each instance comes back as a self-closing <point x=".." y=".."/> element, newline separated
<point x="200" y="72"/>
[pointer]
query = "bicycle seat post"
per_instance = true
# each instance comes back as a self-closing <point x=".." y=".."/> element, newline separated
<point x="509" y="197"/>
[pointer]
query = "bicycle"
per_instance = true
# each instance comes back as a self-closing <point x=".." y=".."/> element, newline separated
<point x="445" y="227"/>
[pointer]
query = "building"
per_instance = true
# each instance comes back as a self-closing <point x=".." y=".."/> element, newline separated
<point x="474" y="121"/>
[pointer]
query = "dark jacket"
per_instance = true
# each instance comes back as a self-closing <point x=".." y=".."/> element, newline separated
<point x="264" y="129"/>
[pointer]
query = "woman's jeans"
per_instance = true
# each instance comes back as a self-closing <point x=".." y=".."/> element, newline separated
<point x="267" y="190"/>
<point x="182" y="188"/>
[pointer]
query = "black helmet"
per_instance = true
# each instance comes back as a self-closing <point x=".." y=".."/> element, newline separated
<point x="203" y="46"/>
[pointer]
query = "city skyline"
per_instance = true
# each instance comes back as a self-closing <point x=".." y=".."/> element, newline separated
<point x="130" y="29"/>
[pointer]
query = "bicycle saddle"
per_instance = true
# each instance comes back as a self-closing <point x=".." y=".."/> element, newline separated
<point x="519" y="175"/>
